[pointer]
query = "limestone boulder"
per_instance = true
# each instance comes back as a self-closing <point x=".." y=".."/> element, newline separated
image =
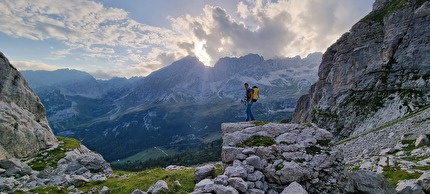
<point x="158" y="187"/>
<point x="203" y="172"/>
<point x="294" y="188"/>
<point x="24" y="130"/>
<point x="370" y="182"/>
<point x="421" y="141"/>
<point x="424" y="181"/>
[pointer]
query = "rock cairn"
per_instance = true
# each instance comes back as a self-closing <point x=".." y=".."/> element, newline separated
<point x="292" y="155"/>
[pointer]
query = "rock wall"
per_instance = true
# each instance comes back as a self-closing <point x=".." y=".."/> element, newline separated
<point x="282" y="158"/>
<point x="24" y="130"/>
<point x="377" y="72"/>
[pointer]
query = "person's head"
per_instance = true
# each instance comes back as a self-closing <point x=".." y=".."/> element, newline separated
<point x="246" y="85"/>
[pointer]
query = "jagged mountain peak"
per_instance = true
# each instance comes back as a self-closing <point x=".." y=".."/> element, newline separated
<point x="239" y="62"/>
<point x="182" y="67"/>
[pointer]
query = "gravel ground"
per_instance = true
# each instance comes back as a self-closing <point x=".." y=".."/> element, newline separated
<point x="371" y="144"/>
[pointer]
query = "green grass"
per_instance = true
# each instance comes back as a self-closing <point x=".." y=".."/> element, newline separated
<point x="135" y="180"/>
<point x="415" y="159"/>
<point x="307" y="124"/>
<point x="313" y="150"/>
<point x="260" y="123"/>
<point x="300" y="160"/>
<point x="423" y="168"/>
<point x="257" y="140"/>
<point x="51" y="157"/>
<point x="324" y="143"/>
<point x="410" y="145"/>
<point x="146" y="155"/>
<point x="395" y="174"/>
<point x="218" y="170"/>
<point x="378" y="16"/>
<point x="279" y="166"/>
<point x="50" y="189"/>
<point x="145" y="179"/>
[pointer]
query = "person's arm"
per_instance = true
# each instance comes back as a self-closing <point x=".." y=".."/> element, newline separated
<point x="252" y="96"/>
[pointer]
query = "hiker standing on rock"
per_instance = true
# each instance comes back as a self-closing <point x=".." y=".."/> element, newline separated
<point x="248" y="102"/>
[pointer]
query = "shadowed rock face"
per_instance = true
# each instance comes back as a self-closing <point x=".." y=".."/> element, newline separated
<point x="24" y="130"/>
<point x="377" y="72"/>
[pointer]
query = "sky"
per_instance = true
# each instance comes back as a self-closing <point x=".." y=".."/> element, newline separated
<point x="125" y="38"/>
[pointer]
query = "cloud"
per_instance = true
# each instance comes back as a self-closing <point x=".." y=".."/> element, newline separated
<point x="242" y="10"/>
<point x="34" y="65"/>
<point x="272" y="29"/>
<point x="59" y="54"/>
<point x="83" y="27"/>
<point x="93" y="33"/>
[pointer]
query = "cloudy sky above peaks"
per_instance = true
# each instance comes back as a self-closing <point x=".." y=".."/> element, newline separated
<point x="135" y="37"/>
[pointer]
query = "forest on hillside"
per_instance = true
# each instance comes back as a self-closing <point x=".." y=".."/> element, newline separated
<point x="210" y="152"/>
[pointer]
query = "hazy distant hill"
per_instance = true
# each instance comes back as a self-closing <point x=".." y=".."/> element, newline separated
<point x="177" y="107"/>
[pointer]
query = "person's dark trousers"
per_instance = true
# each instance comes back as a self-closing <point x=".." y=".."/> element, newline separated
<point x="249" y="112"/>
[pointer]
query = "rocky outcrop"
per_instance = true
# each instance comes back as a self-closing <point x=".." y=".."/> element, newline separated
<point x="285" y="158"/>
<point x="377" y="72"/>
<point x="25" y="133"/>
<point x="24" y="130"/>
<point x="77" y="168"/>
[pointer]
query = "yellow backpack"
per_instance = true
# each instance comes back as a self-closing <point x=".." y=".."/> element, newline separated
<point x="255" y="97"/>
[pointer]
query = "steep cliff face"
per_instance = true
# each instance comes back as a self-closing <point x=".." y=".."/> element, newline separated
<point x="24" y="130"/>
<point x="377" y="72"/>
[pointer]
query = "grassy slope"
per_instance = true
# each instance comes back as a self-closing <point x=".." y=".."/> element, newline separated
<point x="145" y="179"/>
<point x="147" y="154"/>
<point x="127" y="182"/>
<point x="123" y="182"/>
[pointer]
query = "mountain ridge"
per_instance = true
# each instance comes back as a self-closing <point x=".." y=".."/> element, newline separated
<point x="178" y="103"/>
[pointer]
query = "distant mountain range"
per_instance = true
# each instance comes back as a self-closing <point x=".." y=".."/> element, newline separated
<point x="178" y="107"/>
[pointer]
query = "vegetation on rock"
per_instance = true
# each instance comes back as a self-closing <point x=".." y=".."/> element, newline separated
<point x="126" y="182"/>
<point x="260" y="123"/>
<point x="378" y="15"/>
<point x="257" y="140"/>
<point x="51" y="157"/>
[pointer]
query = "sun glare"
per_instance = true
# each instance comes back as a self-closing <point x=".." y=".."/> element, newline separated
<point x="201" y="53"/>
